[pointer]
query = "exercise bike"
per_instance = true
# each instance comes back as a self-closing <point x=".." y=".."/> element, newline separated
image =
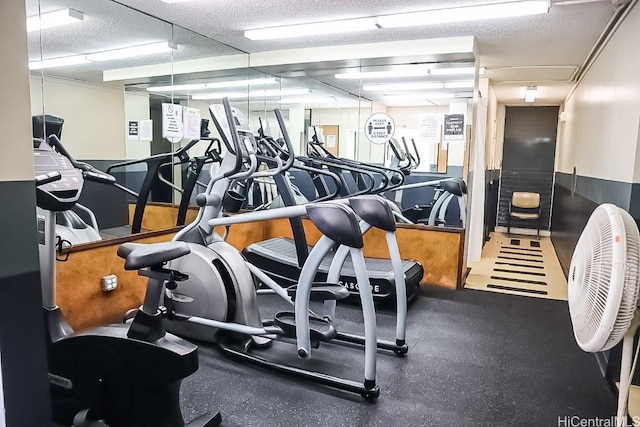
<point x="118" y="375"/>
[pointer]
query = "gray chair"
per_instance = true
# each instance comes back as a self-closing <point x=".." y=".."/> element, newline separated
<point x="525" y="206"/>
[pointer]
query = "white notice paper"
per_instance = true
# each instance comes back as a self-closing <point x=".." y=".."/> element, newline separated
<point x="172" y="122"/>
<point x="331" y="141"/>
<point x="146" y="130"/>
<point x="191" y="118"/>
<point x="429" y="126"/>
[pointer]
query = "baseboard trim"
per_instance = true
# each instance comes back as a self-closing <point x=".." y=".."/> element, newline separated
<point x="524" y="231"/>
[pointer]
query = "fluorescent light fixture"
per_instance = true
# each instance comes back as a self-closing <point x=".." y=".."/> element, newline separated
<point x="128" y="52"/>
<point x="403" y="86"/>
<point x="465" y="13"/>
<point x="312" y="29"/>
<point x="530" y="94"/>
<point x="402" y="71"/>
<point x="175" y="88"/>
<point x="309" y="100"/>
<point x="53" y="19"/>
<point x="256" y="94"/>
<point x="425" y="17"/>
<point x="107" y="55"/>
<point x="456" y="71"/>
<point x="249" y="82"/>
<point x="458" y="85"/>
<point x="421" y="96"/>
<point x="200" y="86"/>
<point x="58" y="62"/>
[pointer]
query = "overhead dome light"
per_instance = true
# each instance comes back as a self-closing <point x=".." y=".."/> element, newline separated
<point x="530" y="94"/>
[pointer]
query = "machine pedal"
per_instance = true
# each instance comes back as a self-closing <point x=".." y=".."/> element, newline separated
<point x="322" y="291"/>
<point x="321" y="329"/>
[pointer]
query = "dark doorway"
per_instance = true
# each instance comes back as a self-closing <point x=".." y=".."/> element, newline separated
<point x="528" y="158"/>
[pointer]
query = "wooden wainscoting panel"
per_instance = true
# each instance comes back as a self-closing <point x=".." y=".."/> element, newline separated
<point x="439" y="250"/>
<point x="79" y="292"/>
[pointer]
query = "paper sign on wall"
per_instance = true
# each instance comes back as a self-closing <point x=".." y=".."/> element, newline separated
<point x="172" y="126"/>
<point x="146" y="130"/>
<point x="191" y="118"/>
<point x="379" y="128"/>
<point x="429" y="127"/>
<point x="331" y="141"/>
<point x="133" y="130"/>
<point x="453" y="126"/>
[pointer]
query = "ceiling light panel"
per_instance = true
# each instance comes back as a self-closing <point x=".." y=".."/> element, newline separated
<point x="213" y="85"/>
<point x="58" y="62"/>
<point x="412" y="97"/>
<point x="256" y="94"/>
<point x="309" y="100"/>
<point x="53" y="19"/>
<point x="426" y="17"/>
<point x="406" y="71"/>
<point x="128" y="52"/>
<point x="403" y="86"/>
<point x="457" y="71"/>
<point x="177" y="88"/>
<point x="466" y="13"/>
<point x="311" y="29"/>
<point x="459" y="84"/>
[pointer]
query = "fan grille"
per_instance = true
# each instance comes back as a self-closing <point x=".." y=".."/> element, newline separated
<point x="603" y="279"/>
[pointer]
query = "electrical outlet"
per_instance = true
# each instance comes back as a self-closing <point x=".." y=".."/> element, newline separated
<point x="109" y="283"/>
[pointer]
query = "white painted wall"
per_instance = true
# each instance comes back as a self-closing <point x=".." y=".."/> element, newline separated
<point x="94" y="115"/>
<point x="600" y="135"/>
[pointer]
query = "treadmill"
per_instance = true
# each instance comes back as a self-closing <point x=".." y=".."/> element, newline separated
<point x="282" y="258"/>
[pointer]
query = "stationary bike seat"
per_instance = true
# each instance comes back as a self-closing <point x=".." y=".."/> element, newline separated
<point x="140" y="255"/>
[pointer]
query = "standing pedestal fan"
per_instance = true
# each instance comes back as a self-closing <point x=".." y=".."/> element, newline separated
<point x="604" y="280"/>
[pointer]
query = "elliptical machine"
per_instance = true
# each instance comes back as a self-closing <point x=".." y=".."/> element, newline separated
<point x="121" y="375"/>
<point x="219" y="302"/>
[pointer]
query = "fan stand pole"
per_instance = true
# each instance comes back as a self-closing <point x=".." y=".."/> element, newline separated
<point x="625" y="371"/>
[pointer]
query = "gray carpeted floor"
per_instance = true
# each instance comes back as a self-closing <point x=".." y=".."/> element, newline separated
<point x="475" y="359"/>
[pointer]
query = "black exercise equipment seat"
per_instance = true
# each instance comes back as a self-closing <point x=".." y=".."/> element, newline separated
<point x="139" y="255"/>
<point x="457" y="187"/>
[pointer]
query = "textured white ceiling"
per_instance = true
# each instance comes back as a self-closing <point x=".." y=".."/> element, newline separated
<point x="562" y="38"/>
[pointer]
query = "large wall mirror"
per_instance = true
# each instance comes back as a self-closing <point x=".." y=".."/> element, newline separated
<point x="113" y="73"/>
<point x="93" y="72"/>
